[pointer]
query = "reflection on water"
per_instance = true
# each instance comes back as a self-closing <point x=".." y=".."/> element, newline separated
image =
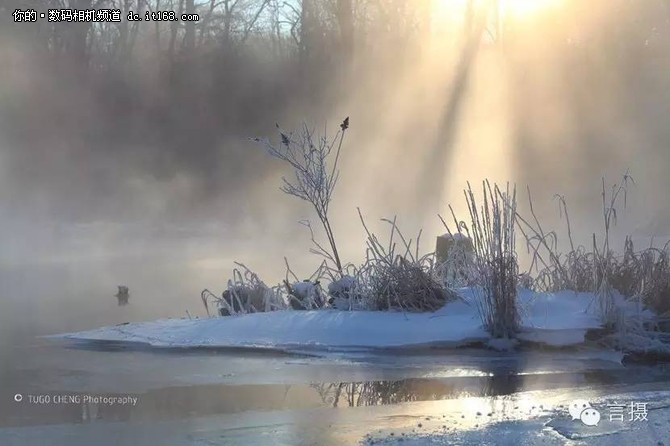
<point x="184" y="402"/>
<point x="376" y="393"/>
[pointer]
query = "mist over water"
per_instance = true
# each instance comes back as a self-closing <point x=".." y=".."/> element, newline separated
<point x="138" y="178"/>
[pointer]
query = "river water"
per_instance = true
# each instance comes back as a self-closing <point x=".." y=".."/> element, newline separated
<point x="81" y="394"/>
<point x="238" y="397"/>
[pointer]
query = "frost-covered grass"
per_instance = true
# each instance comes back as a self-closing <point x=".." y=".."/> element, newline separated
<point x="245" y="293"/>
<point x="599" y="268"/>
<point x="641" y="277"/>
<point x="495" y="263"/>
<point x="397" y="276"/>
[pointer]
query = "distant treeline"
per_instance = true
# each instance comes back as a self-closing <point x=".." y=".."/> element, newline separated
<point x="185" y="85"/>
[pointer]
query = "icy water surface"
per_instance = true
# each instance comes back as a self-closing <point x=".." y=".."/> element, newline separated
<point x="219" y="397"/>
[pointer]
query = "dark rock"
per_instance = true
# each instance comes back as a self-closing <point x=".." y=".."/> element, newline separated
<point x="122" y="295"/>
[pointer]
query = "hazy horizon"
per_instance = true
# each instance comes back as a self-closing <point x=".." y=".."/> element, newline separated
<point x="130" y="169"/>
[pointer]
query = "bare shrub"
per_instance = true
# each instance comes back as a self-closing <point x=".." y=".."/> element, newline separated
<point x="314" y="160"/>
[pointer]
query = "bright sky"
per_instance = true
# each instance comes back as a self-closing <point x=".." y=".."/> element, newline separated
<point x="520" y="9"/>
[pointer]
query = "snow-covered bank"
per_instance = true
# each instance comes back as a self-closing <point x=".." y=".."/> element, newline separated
<point x="557" y="319"/>
<point x="455" y="323"/>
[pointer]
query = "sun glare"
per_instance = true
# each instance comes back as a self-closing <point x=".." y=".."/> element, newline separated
<point x="455" y="10"/>
<point x="526" y="8"/>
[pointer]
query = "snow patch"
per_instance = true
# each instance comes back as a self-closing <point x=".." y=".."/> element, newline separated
<point x="557" y="319"/>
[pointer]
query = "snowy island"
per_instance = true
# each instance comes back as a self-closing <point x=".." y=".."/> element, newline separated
<point x="551" y="319"/>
